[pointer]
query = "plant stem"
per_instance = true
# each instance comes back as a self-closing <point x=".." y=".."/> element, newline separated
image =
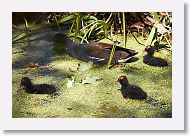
<point x="59" y="29"/>
<point x="112" y="54"/>
<point x="26" y="28"/>
<point x="124" y="30"/>
<point x="77" y="25"/>
<point x="136" y="39"/>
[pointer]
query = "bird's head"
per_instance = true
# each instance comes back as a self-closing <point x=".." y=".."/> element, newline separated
<point x="150" y="49"/>
<point x="60" y="40"/>
<point x="123" y="80"/>
<point x="26" y="82"/>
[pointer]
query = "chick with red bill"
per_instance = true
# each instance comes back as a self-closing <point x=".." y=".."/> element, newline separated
<point x="131" y="91"/>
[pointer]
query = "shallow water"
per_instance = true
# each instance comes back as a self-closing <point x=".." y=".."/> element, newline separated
<point x="87" y="100"/>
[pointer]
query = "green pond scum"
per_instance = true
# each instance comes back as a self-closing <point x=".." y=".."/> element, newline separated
<point x="87" y="90"/>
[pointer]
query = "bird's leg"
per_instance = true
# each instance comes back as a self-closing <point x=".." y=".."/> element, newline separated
<point x="115" y="62"/>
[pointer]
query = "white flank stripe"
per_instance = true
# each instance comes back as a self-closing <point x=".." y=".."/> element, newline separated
<point x="123" y="60"/>
<point x="98" y="59"/>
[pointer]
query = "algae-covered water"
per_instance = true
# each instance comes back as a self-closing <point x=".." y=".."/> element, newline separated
<point x="42" y="64"/>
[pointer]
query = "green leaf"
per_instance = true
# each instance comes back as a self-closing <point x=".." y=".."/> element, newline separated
<point x="91" y="29"/>
<point x="151" y="36"/>
<point x="66" y="18"/>
<point x="156" y="18"/>
<point x="153" y="33"/>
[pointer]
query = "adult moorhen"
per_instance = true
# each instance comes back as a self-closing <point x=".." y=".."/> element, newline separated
<point x="37" y="89"/>
<point x="130" y="91"/>
<point x="96" y="52"/>
<point x="149" y="59"/>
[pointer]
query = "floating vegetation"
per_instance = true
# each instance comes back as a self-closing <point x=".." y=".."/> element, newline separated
<point x="88" y="90"/>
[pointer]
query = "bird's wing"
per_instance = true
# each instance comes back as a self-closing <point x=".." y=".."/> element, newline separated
<point x="110" y="46"/>
<point x="98" y="54"/>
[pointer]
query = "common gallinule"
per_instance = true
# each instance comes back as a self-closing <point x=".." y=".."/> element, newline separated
<point x="96" y="52"/>
<point x="149" y="59"/>
<point x="130" y="91"/>
<point x="37" y="89"/>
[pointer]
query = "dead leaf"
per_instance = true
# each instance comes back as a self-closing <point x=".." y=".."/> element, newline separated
<point x="92" y="80"/>
<point x="70" y="81"/>
<point x="55" y="116"/>
<point x="83" y="66"/>
<point x="31" y="65"/>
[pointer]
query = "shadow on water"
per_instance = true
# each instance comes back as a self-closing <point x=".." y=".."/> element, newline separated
<point x="39" y="51"/>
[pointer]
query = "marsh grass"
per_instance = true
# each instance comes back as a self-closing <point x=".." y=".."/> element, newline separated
<point x="90" y="101"/>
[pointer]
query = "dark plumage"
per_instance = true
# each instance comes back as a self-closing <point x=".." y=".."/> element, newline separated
<point x="149" y="59"/>
<point x="130" y="91"/>
<point x="97" y="52"/>
<point x="37" y="89"/>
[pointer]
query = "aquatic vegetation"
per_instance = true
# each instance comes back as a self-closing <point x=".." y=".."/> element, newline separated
<point x="89" y="90"/>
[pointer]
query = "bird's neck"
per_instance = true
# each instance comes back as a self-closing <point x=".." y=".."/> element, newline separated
<point x="124" y="89"/>
<point x="147" y="56"/>
<point x="69" y="45"/>
<point x="29" y="87"/>
<point x="124" y="85"/>
<point x="151" y="52"/>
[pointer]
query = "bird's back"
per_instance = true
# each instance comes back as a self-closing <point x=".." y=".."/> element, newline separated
<point x="135" y="92"/>
<point x="100" y="52"/>
<point x="44" y="89"/>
